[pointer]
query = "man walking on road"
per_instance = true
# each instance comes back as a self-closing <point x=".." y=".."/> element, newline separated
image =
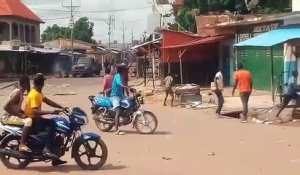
<point x="168" y="89"/>
<point x="243" y="81"/>
<point x="218" y="83"/>
<point x="290" y="94"/>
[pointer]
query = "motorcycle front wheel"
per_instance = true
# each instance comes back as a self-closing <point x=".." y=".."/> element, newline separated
<point x="91" y="154"/>
<point x="12" y="142"/>
<point x="145" y="123"/>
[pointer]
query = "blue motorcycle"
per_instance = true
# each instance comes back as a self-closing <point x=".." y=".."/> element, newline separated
<point x="85" y="147"/>
<point x="145" y="122"/>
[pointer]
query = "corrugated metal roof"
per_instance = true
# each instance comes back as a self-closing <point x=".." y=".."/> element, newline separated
<point x="273" y="37"/>
<point x="207" y="40"/>
<point x="146" y="43"/>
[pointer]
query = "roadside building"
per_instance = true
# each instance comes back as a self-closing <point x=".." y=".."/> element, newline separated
<point x="19" y="31"/>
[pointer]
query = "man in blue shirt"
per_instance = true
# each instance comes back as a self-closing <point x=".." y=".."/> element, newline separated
<point x="116" y="96"/>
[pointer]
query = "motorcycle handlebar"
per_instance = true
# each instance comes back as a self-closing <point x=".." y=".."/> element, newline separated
<point x="66" y="111"/>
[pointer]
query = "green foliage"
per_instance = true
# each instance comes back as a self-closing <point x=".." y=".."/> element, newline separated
<point x="83" y="30"/>
<point x="185" y="19"/>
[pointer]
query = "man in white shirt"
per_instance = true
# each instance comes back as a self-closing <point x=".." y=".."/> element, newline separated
<point x="168" y="89"/>
<point x="218" y="80"/>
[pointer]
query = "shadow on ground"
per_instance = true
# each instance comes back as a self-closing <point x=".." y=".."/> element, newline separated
<point x="155" y="133"/>
<point x="70" y="168"/>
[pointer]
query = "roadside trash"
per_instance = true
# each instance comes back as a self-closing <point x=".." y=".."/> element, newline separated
<point x="211" y="154"/>
<point x="254" y="120"/>
<point x="149" y="93"/>
<point x="66" y="93"/>
<point x="167" y="158"/>
<point x="65" y="85"/>
<point x="188" y="106"/>
<point x="268" y="123"/>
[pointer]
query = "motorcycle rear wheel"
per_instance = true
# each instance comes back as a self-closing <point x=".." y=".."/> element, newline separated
<point x="104" y="127"/>
<point x="12" y="142"/>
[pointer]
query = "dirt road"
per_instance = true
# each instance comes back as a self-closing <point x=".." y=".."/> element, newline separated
<point x="186" y="142"/>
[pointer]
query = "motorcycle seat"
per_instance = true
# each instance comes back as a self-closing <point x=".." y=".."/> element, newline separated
<point x="13" y="125"/>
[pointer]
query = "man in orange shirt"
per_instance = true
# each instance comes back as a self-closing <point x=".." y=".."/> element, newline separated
<point x="243" y="81"/>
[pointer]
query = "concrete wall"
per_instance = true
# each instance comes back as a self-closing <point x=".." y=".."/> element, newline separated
<point x="229" y="68"/>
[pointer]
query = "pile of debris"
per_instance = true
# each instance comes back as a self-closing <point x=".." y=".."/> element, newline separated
<point x="198" y="105"/>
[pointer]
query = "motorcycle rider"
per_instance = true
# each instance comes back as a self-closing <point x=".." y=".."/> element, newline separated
<point x="33" y="109"/>
<point x="117" y="94"/>
<point x="14" y="114"/>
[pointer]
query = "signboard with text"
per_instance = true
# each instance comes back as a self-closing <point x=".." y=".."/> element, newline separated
<point x="251" y="31"/>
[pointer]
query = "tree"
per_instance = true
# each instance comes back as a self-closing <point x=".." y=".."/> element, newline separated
<point x="83" y="30"/>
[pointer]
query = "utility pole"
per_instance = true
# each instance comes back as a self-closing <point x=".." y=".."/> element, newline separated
<point x="111" y="23"/>
<point x="72" y="8"/>
<point x="145" y="61"/>
<point x="123" y="29"/>
<point x="132" y="38"/>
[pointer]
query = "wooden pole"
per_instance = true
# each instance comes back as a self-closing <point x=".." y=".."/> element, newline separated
<point x="181" y="76"/>
<point x="153" y="67"/>
<point x="181" y="52"/>
<point x="169" y="65"/>
<point x="272" y="75"/>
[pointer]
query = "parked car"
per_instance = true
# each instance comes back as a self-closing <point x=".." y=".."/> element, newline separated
<point x="87" y="67"/>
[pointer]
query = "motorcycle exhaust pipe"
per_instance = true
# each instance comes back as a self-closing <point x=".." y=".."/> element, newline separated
<point x="13" y="153"/>
<point x="103" y="120"/>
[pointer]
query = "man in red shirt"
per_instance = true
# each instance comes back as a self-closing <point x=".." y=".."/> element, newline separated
<point x="243" y="81"/>
<point x="107" y="82"/>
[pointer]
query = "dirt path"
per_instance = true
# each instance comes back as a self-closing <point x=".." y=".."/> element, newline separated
<point x="186" y="142"/>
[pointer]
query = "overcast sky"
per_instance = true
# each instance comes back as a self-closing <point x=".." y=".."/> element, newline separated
<point x="133" y="12"/>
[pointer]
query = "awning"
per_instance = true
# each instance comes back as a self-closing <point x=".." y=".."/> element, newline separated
<point x="273" y="37"/>
<point x="206" y="40"/>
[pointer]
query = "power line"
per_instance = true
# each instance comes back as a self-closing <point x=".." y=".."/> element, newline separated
<point x="114" y="10"/>
<point x="58" y="18"/>
<point x="94" y="11"/>
<point x="53" y="10"/>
